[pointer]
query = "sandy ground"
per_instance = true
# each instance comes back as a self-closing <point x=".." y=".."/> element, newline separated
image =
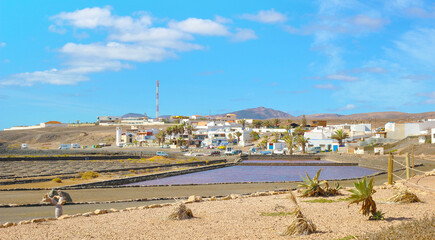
<point x="233" y="219"/>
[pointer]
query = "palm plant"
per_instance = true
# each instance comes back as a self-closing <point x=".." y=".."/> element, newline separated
<point x="302" y="141"/>
<point x="275" y="122"/>
<point x="312" y="187"/>
<point x="340" y="135"/>
<point x="363" y="193"/>
<point x="238" y="134"/>
<point x="257" y="123"/>
<point x="243" y="122"/>
<point x="289" y="140"/>
<point x="267" y="124"/>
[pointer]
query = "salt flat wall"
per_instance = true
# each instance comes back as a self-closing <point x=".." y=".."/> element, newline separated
<point x="281" y="157"/>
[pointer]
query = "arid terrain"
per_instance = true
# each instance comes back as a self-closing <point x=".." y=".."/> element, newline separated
<point x="262" y="217"/>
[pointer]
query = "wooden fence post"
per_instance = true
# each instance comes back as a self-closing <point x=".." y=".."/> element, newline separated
<point x="407" y="165"/>
<point x="390" y="169"/>
<point x="413" y="162"/>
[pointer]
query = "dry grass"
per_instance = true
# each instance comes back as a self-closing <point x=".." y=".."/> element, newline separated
<point x="181" y="212"/>
<point x="275" y="214"/>
<point x="404" y="196"/>
<point x="157" y="158"/>
<point x="300" y="225"/>
<point x="422" y="229"/>
<point x="56" y="180"/>
<point x="89" y="175"/>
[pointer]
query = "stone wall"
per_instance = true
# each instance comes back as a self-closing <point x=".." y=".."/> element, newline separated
<point x="117" y="182"/>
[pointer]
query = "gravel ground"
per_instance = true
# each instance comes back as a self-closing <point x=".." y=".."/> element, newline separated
<point x="232" y="219"/>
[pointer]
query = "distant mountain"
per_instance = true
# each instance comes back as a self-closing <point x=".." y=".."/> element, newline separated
<point x="132" y="115"/>
<point x="259" y="113"/>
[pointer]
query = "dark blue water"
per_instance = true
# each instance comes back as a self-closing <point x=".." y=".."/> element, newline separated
<point x="237" y="174"/>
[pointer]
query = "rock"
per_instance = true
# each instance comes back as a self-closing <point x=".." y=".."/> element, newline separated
<point x="131" y="208"/>
<point x="154" y="206"/>
<point x="113" y="210"/>
<point x="100" y="211"/>
<point x="143" y="207"/>
<point x="226" y="197"/>
<point x="23" y="222"/>
<point x="64" y="216"/>
<point x="37" y="220"/>
<point x="213" y="198"/>
<point x="8" y="224"/>
<point x="234" y="196"/>
<point x="194" y="198"/>
<point x="263" y="194"/>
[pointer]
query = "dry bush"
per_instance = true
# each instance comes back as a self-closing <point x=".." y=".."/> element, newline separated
<point x="422" y="229"/>
<point x="181" y="212"/>
<point x="57" y="180"/>
<point x="89" y="175"/>
<point x="300" y="225"/>
<point x="404" y="196"/>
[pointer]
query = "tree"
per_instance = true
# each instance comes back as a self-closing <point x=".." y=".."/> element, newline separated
<point x="238" y="134"/>
<point x="257" y="123"/>
<point x="302" y="141"/>
<point x="243" y="122"/>
<point x="254" y="135"/>
<point x="275" y="122"/>
<point x="160" y="136"/>
<point x="339" y="135"/>
<point x="230" y="137"/>
<point x="267" y="124"/>
<point x="289" y="141"/>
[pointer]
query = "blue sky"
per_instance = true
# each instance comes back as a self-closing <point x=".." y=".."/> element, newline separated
<point x="76" y="60"/>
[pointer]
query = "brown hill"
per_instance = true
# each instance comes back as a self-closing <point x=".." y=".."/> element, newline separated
<point x="373" y="115"/>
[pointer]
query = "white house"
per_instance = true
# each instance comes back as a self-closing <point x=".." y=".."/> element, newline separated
<point x="402" y="130"/>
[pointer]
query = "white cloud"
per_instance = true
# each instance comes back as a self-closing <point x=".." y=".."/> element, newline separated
<point x="117" y="51"/>
<point x="430" y="97"/>
<point x="53" y="76"/>
<point x="2" y="44"/>
<point x="243" y="35"/>
<point x="266" y="16"/>
<point x="371" y="23"/>
<point x="222" y="20"/>
<point x="200" y="26"/>
<point x="347" y="107"/>
<point x="86" y="18"/>
<point x="129" y="39"/>
<point x="54" y="28"/>
<point x="419" y="45"/>
<point x="369" y="70"/>
<point x="325" y="86"/>
<point x="342" y="77"/>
